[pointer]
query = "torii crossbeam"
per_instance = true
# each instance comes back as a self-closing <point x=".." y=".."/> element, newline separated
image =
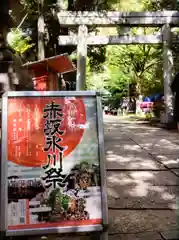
<point x="164" y="19"/>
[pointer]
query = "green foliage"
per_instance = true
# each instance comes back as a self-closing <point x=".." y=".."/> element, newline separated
<point x="97" y="57"/>
<point x="110" y="69"/>
<point x="19" y="42"/>
<point x="136" y="65"/>
<point x="30" y="5"/>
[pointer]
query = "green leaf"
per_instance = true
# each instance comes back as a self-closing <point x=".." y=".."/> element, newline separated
<point x="18" y="41"/>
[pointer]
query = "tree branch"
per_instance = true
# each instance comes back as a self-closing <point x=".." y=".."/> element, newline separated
<point x="147" y="67"/>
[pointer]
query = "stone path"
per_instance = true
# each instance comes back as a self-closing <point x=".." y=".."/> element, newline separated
<point x="142" y="164"/>
<point x="143" y="180"/>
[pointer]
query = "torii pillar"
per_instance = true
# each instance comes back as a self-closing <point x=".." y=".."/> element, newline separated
<point x="167" y="72"/>
<point x="81" y="57"/>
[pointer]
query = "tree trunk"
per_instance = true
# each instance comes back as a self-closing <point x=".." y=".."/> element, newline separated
<point x="12" y="76"/>
<point x="41" y="31"/>
<point x="5" y="56"/>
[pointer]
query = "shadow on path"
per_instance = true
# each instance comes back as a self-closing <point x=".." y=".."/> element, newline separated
<point x="142" y="177"/>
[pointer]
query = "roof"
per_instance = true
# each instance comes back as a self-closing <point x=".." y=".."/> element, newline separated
<point x="60" y="64"/>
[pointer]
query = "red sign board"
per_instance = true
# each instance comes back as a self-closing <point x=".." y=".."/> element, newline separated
<point x="52" y="145"/>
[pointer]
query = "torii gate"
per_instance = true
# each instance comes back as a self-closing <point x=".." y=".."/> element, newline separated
<point x="165" y="20"/>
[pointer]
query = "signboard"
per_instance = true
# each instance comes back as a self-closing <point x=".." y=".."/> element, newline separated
<point x="52" y="166"/>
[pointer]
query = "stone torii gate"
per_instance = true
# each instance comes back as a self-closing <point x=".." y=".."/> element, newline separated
<point x="165" y="20"/>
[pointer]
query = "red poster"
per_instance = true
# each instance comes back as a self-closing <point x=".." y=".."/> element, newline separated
<point x="53" y="163"/>
<point x="26" y="138"/>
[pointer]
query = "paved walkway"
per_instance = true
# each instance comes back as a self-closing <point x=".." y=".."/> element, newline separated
<point x="143" y="180"/>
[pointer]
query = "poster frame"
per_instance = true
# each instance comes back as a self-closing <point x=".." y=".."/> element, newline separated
<point x="4" y="168"/>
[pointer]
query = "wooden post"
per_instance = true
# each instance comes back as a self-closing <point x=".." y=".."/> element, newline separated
<point x="167" y="72"/>
<point x="41" y="32"/>
<point x="81" y="57"/>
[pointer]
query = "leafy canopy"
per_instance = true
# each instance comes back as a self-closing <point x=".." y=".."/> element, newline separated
<point x="19" y="41"/>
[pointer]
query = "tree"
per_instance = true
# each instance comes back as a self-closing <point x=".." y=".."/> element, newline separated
<point x="114" y="78"/>
<point x="52" y="26"/>
<point x="11" y="74"/>
<point x="134" y="65"/>
<point x="127" y="66"/>
<point x="5" y="21"/>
